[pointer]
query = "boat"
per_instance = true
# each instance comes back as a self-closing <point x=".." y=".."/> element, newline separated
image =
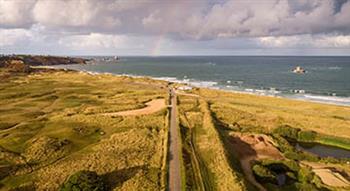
<point x="299" y="70"/>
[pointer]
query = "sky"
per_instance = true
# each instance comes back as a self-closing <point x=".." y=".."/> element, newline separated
<point x="175" y="27"/>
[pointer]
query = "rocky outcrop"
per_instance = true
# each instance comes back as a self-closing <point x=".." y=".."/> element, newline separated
<point x="17" y="66"/>
<point x="33" y="60"/>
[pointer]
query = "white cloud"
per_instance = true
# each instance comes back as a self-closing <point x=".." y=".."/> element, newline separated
<point x="152" y="20"/>
<point x="340" y="41"/>
<point x="121" y="24"/>
<point x="283" y="41"/>
<point x="73" y="13"/>
<point x="194" y="19"/>
<point x="9" y="37"/>
<point x="311" y="41"/>
<point x="93" y="41"/>
<point x="15" y="12"/>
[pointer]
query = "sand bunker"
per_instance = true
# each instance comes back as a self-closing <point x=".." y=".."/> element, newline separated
<point x="255" y="146"/>
<point x="328" y="175"/>
<point x="152" y="107"/>
<point x="252" y="147"/>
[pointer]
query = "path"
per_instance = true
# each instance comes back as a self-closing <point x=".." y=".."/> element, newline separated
<point x="174" y="148"/>
<point x="152" y="107"/>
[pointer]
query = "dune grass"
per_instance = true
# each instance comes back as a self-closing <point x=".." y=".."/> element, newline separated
<point x="324" y="123"/>
<point x="214" y="167"/>
<point x="64" y="111"/>
<point x="61" y="114"/>
<point x="261" y="113"/>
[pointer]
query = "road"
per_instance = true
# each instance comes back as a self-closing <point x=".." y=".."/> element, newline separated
<point x="174" y="148"/>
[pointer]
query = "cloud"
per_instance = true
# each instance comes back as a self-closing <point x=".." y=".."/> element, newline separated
<point x="13" y="36"/>
<point x="305" y="41"/>
<point x="185" y="19"/>
<point x="93" y="41"/>
<point x="189" y="25"/>
<point x="74" y="13"/>
<point x="271" y="18"/>
<point x="340" y="41"/>
<point x="16" y="13"/>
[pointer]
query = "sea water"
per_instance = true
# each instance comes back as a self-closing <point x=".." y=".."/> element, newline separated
<point x="327" y="79"/>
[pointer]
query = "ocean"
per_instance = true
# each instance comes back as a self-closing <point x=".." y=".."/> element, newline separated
<point x="327" y="79"/>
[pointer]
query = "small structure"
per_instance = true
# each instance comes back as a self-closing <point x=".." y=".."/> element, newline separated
<point x="299" y="70"/>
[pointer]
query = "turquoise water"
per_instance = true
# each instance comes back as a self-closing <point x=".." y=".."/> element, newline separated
<point x="327" y="78"/>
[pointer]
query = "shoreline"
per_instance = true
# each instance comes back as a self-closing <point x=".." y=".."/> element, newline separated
<point x="313" y="98"/>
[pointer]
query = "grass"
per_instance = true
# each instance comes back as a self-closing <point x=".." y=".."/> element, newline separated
<point x="62" y="113"/>
<point x="333" y="141"/>
<point x="267" y="113"/>
<point x="264" y="115"/>
<point x="214" y="166"/>
<point x="69" y="106"/>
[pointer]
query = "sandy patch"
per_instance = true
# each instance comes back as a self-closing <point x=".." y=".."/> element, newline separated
<point x="257" y="146"/>
<point x="328" y="175"/>
<point x="250" y="147"/>
<point x="152" y="107"/>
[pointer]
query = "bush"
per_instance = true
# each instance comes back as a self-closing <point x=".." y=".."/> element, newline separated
<point x="307" y="136"/>
<point x="287" y="132"/>
<point x="84" y="181"/>
<point x="305" y="175"/>
<point x="293" y="155"/>
<point x="263" y="174"/>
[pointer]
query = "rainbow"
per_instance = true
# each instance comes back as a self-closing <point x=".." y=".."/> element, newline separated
<point x="155" y="51"/>
<point x="157" y="45"/>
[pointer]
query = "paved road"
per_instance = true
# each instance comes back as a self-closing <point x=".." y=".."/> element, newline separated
<point x="174" y="149"/>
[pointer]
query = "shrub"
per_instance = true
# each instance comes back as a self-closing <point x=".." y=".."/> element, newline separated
<point x="292" y="165"/>
<point x="263" y="173"/>
<point x="305" y="175"/>
<point x="84" y="181"/>
<point x="307" y="136"/>
<point x="287" y="131"/>
<point x="293" y="155"/>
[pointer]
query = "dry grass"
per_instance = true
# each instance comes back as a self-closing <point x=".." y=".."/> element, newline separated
<point x="266" y="113"/>
<point x="215" y="168"/>
<point x="58" y="114"/>
<point x="151" y="107"/>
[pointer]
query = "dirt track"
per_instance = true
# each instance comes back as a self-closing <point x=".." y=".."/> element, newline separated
<point x="152" y="107"/>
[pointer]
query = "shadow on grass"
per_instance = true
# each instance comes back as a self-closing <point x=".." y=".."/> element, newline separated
<point x="116" y="178"/>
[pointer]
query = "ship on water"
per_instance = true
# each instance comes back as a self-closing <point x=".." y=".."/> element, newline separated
<point x="299" y="70"/>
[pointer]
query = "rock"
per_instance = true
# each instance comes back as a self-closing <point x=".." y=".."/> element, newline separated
<point x="17" y="66"/>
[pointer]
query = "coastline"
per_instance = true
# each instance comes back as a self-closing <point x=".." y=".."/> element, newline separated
<point x="76" y="106"/>
<point x="321" y="99"/>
